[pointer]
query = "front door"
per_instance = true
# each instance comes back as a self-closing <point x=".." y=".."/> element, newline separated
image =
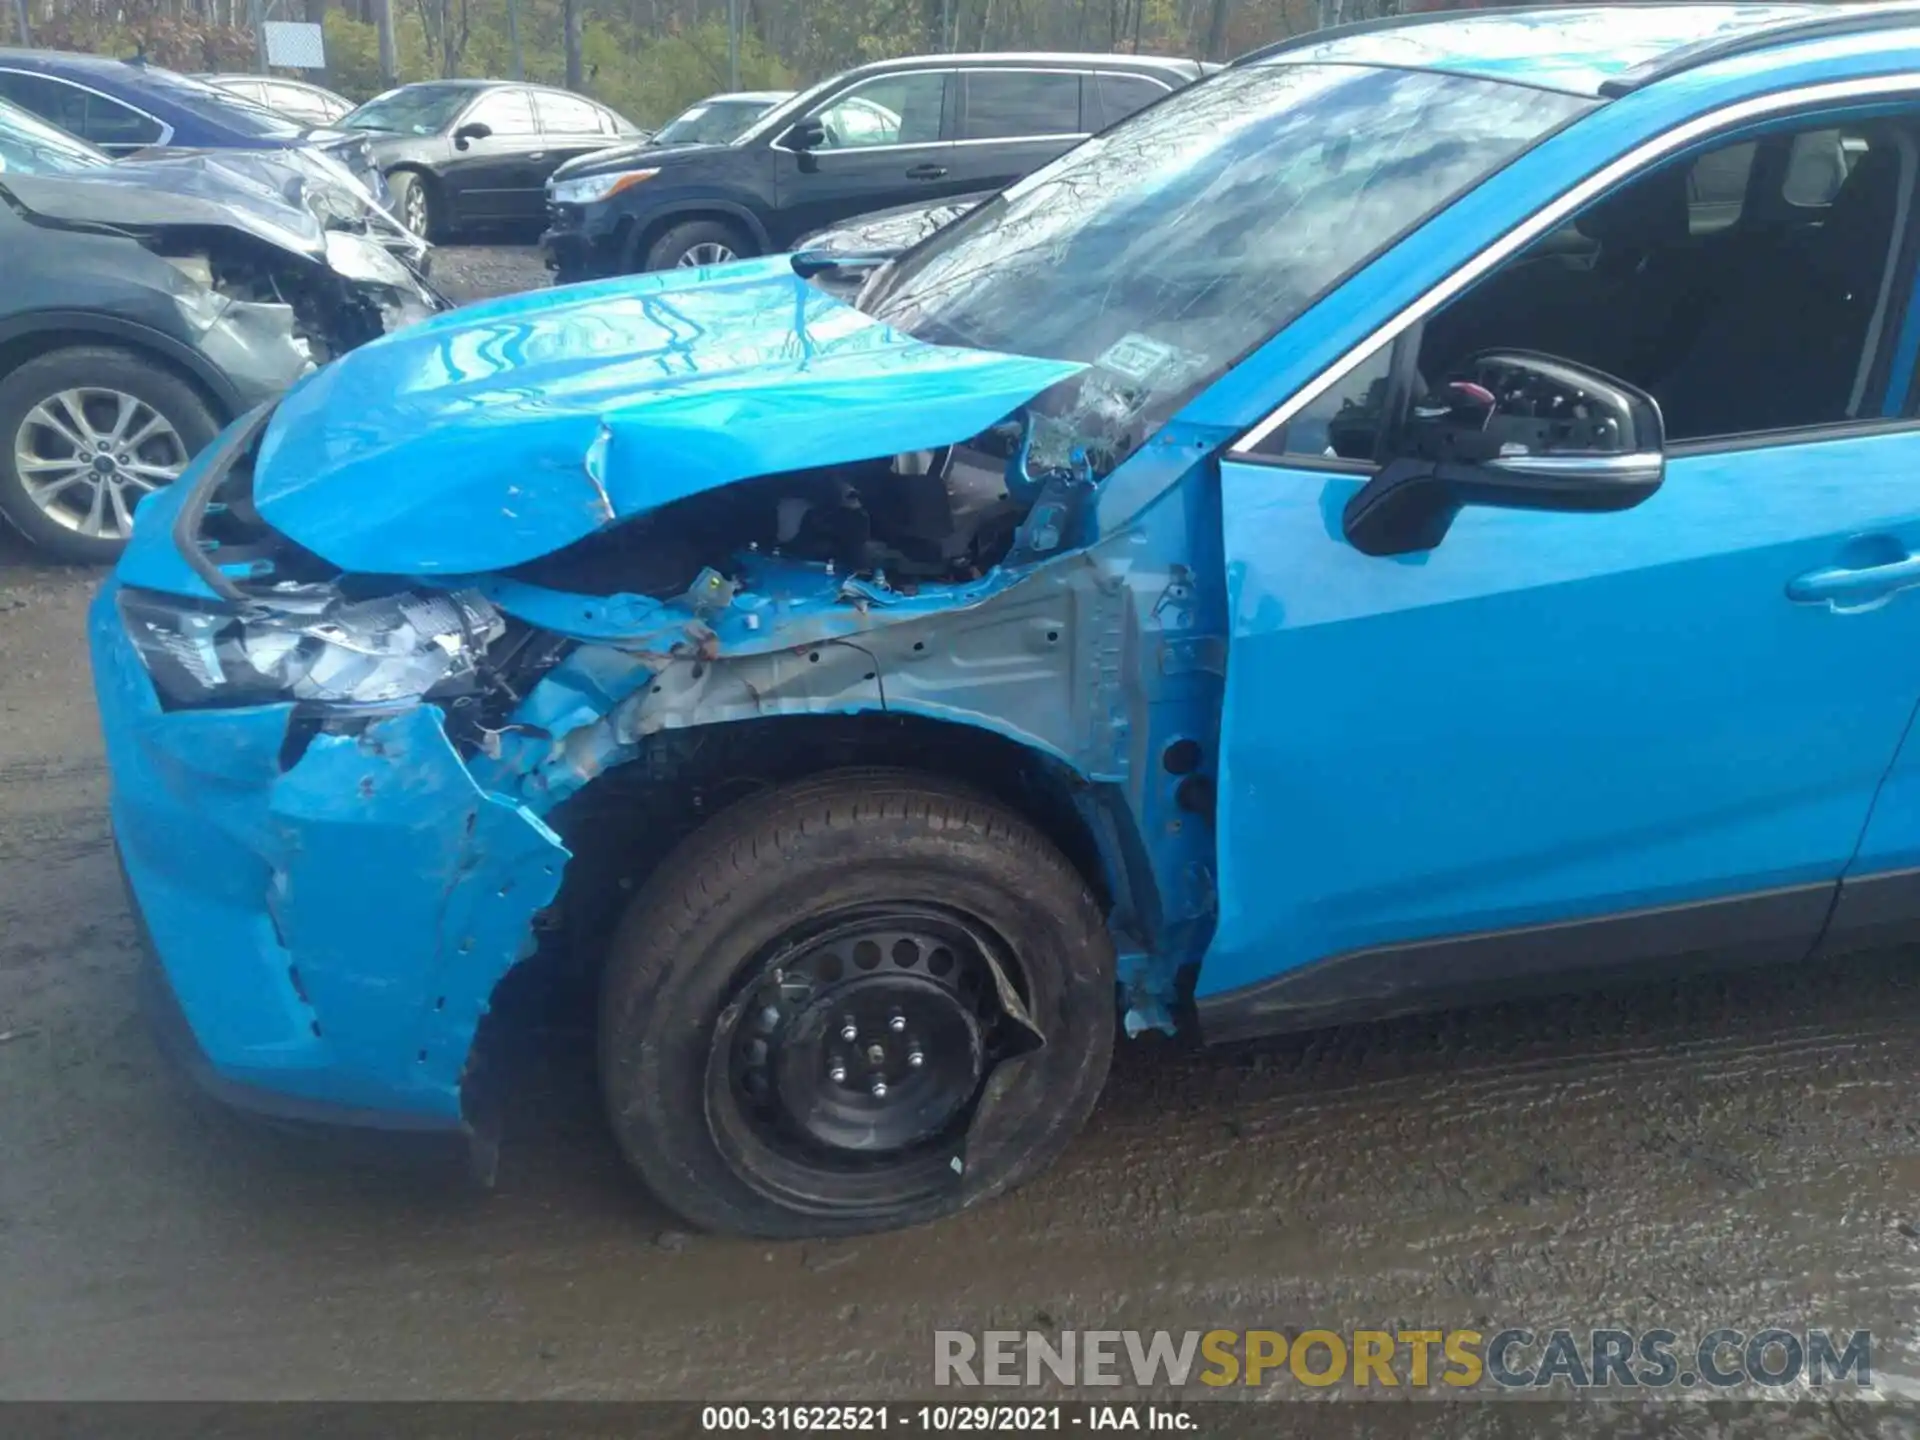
<point x="885" y="144"/>
<point x="1674" y="718"/>
<point x="498" y="176"/>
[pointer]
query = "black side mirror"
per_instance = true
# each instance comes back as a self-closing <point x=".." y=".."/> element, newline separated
<point x="807" y="134"/>
<point x="808" y="263"/>
<point x="472" y="130"/>
<point x="1516" y="430"/>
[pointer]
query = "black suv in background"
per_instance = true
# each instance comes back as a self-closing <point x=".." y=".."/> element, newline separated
<point x="885" y="134"/>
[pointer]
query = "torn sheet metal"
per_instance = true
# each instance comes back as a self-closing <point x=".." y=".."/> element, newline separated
<point x="288" y="198"/>
<point x="332" y="925"/>
<point x="510" y="429"/>
<point x="388" y="827"/>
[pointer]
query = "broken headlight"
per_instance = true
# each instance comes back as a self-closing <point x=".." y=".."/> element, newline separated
<point x="310" y="646"/>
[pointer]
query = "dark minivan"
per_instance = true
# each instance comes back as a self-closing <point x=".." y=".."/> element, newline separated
<point x="889" y="133"/>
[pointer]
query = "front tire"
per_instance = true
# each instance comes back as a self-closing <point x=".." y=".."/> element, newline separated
<point x="85" y="433"/>
<point x="416" y="204"/>
<point x="881" y="903"/>
<point x="696" y="243"/>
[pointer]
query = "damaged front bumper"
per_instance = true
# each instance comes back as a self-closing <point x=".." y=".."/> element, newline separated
<point x="329" y="897"/>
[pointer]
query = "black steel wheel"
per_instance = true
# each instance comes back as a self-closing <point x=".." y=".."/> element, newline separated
<point x="857" y="1003"/>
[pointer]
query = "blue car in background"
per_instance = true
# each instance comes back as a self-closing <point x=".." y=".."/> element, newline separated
<point x="1431" y="509"/>
<point x="122" y="106"/>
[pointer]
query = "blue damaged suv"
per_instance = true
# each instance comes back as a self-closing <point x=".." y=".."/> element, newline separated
<point x="1432" y="508"/>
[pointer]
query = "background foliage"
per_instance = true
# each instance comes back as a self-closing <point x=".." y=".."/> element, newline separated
<point x="650" y="58"/>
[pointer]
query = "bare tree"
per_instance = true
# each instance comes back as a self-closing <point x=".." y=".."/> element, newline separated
<point x="448" y="24"/>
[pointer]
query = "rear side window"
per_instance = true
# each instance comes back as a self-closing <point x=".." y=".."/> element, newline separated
<point x="1009" y="104"/>
<point x="505" y="112"/>
<point x="1121" y="95"/>
<point x="80" y="112"/>
<point x="1717" y="188"/>
<point x="566" y="114"/>
<point x="301" y="104"/>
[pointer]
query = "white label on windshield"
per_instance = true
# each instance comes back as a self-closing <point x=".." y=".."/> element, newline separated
<point x="1136" y="358"/>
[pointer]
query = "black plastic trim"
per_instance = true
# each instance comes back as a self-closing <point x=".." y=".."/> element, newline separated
<point x="1874" y="912"/>
<point x="1765" y="927"/>
<point x="1762" y="37"/>
<point x="1798" y="435"/>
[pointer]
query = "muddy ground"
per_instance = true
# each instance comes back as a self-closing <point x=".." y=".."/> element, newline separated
<point x="1736" y="1152"/>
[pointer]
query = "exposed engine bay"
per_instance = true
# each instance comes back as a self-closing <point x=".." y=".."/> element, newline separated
<point x="948" y="514"/>
<point x="357" y="293"/>
<point x="924" y="516"/>
<point x="278" y="249"/>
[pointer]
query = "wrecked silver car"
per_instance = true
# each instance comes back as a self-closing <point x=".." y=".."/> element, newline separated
<point x="149" y="302"/>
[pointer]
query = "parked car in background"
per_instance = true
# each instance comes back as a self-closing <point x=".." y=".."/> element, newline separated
<point x="299" y="100"/>
<point x="126" y="105"/>
<point x="459" y="153"/>
<point x="149" y="302"/>
<point x="896" y="132"/>
<point x="718" y="118"/>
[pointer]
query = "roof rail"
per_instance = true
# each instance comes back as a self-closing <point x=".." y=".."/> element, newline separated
<point x="1409" y="22"/>
<point x="1809" y="27"/>
<point x="1340" y="32"/>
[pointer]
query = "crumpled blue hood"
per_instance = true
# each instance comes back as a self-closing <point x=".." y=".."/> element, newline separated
<point x="502" y="432"/>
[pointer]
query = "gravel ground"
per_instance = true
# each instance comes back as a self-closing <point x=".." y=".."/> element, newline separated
<point x="473" y="272"/>
<point x="1737" y="1152"/>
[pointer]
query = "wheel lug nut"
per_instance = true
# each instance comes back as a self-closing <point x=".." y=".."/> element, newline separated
<point x="849" y="1031"/>
<point x="915" y="1059"/>
<point x="837" y="1073"/>
<point x="879" y="1089"/>
<point x="898" y="1023"/>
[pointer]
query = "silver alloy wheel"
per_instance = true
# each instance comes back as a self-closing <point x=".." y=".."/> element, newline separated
<point x="707" y="252"/>
<point x="85" y="457"/>
<point x="415" y="212"/>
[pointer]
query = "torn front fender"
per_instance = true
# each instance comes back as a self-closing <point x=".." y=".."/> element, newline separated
<point x="504" y="431"/>
<point x="405" y="894"/>
<point x="332" y="921"/>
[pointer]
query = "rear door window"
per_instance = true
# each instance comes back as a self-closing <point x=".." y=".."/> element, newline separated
<point x="1016" y="104"/>
<point x="566" y="114"/>
<point x="504" y="112"/>
<point x="300" y="104"/>
<point x="1717" y="188"/>
<point x="1121" y="95"/>
<point x="80" y="112"/>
